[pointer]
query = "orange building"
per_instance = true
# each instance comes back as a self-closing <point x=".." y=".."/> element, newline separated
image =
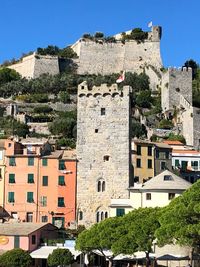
<point x="40" y="183"/>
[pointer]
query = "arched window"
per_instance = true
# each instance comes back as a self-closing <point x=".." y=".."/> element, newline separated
<point x="97" y="216"/>
<point x="102" y="216"/>
<point x="106" y="215"/>
<point x="103" y="186"/>
<point x="99" y="186"/>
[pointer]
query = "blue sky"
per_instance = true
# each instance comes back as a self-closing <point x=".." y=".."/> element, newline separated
<point x="28" y="24"/>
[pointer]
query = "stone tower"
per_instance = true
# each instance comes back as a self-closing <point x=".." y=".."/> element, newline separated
<point x="103" y="150"/>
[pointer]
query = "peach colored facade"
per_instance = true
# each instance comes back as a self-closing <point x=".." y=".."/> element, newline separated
<point x="36" y="190"/>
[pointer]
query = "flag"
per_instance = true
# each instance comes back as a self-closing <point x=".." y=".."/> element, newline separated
<point x="150" y="24"/>
<point x="121" y="78"/>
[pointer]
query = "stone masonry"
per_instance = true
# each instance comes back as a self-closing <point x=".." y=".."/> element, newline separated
<point x="103" y="150"/>
<point x="107" y="58"/>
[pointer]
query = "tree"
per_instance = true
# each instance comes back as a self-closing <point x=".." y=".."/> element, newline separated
<point x="144" y="99"/>
<point x="60" y="257"/>
<point x="183" y="229"/>
<point x="15" y="258"/>
<point x="101" y="236"/>
<point x="165" y="124"/>
<point x="137" y="129"/>
<point x="192" y="64"/>
<point x="64" y="97"/>
<point x="137" y="232"/>
<point x="8" y="75"/>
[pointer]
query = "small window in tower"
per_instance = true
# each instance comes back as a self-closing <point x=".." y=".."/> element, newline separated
<point x="103" y="111"/>
<point x="82" y="87"/>
<point x="106" y="158"/>
<point x="96" y="130"/>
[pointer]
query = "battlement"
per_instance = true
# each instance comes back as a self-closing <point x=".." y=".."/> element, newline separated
<point x="103" y="90"/>
<point x="180" y="69"/>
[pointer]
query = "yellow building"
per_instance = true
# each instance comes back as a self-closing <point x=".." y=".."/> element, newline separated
<point x="2" y="170"/>
<point x="142" y="160"/>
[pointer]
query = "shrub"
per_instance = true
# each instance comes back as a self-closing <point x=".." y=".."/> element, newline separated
<point x="42" y="109"/>
<point x="165" y="124"/>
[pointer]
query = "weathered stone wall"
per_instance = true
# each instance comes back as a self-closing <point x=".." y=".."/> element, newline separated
<point x="176" y="82"/>
<point x="196" y="129"/>
<point x="106" y="58"/>
<point x="34" y="65"/>
<point x="99" y="136"/>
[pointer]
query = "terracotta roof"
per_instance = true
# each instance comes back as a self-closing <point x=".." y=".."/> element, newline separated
<point x="162" y="145"/>
<point x="54" y="154"/>
<point x="183" y="151"/>
<point x="166" y="181"/>
<point x="170" y="142"/>
<point x="22" y="228"/>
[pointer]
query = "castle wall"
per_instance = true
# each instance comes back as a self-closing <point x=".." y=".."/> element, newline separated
<point x="106" y="58"/>
<point x="196" y="129"/>
<point x="176" y="82"/>
<point x="103" y="149"/>
<point x="34" y="65"/>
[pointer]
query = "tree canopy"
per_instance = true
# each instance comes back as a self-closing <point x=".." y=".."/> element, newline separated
<point x="60" y="257"/>
<point x="8" y="75"/>
<point x="15" y="258"/>
<point x="184" y="228"/>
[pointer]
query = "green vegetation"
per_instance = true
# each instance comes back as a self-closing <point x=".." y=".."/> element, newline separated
<point x="8" y="75"/>
<point x="60" y="257"/>
<point x="165" y="124"/>
<point x="176" y="137"/>
<point x="144" y="99"/>
<point x="15" y="258"/>
<point x="136" y="34"/>
<point x="137" y="129"/>
<point x="42" y="109"/>
<point x="99" y="37"/>
<point x="12" y="127"/>
<point x="52" y="50"/>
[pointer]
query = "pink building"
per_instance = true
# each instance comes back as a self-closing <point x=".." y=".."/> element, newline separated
<point x="40" y="182"/>
<point x="27" y="236"/>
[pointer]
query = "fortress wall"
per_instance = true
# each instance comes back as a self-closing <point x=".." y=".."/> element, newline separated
<point x="34" y="65"/>
<point x="25" y="67"/>
<point x="106" y="58"/>
<point x="196" y="129"/>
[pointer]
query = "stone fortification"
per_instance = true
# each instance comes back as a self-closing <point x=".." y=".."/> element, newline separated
<point x="176" y="82"/>
<point x="34" y="65"/>
<point x="106" y="58"/>
<point x="103" y="150"/>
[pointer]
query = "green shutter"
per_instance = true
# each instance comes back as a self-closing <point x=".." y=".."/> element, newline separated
<point x="61" y="180"/>
<point x="30" y="178"/>
<point x="16" y="241"/>
<point x="61" y="202"/>
<point x="30" y="161"/>
<point x="177" y="164"/>
<point x="62" y="165"/>
<point x="45" y="180"/>
<point x="120" y="212"/>
<point x="11" y="178"/>
<point x="11" y="197"/>
<point x="12" y="161"/>
<point x="44" y="162"/>
<point x="30" y="197"/>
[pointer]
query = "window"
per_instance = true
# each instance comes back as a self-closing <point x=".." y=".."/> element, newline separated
<point x="44" y="162"/>
<point x="33" y="239"/>
<point x="163" y="165"/>
<point x="30" y="161"/>
<point x="1" y="155"/>
<point x="184" y="165"/>
<point x="11" y="178"/>
<point x="106" y="158"/>
<point x="97" y="217"/>
<point x="149" y="164"/>
<point x="45" y="180"/>
<point x="194" y="165"/>
<point x="103" y="111"/>
<point x="62" y="165"/>
<point x="138" y="149"/>
<point x="44" y="218"/>
<point x="12" y="161"/>
<point x="120" y="212"/>
<point x="14" y="215"/>
<point x="11" y="197"/>
<point x="61" y="202"/>
<point x="149" y="151"/>
<point x="16" y="241"/>
<point x="101" y="185"/>
<point x="101" y="215"/>
<point x="157" y="154"/>
<point x="168" y="178"/>
<point x="9" y="144"/>
<point x="171" y="196"/>
<point x="29" y="216"/>
<point x="30" y="178"/>
<point x="136" y="179"/>
<point x="0" y="173"/>
<point x="138" y="163"/>
<point x="167" y="154"/>
<point x="80" y="215"/>
<point x="61" y="180"/>
<point x="30" y="197"/>
<point x="43" y="201"/>
<point x="148" y="196"/>
<point x="106" y="214"/>
<point x="177" y="164"/>
<point x="96" y="130"/>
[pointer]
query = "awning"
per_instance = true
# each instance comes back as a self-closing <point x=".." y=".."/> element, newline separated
<point x="44" y="251"/>
<point x="171" y="257"/>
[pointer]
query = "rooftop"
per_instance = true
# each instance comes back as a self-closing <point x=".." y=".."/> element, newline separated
<point x="69" y="154"/>
<point x="22" y="229"/>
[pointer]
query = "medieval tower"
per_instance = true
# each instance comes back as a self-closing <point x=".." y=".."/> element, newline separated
<point x="103" y="150"/>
